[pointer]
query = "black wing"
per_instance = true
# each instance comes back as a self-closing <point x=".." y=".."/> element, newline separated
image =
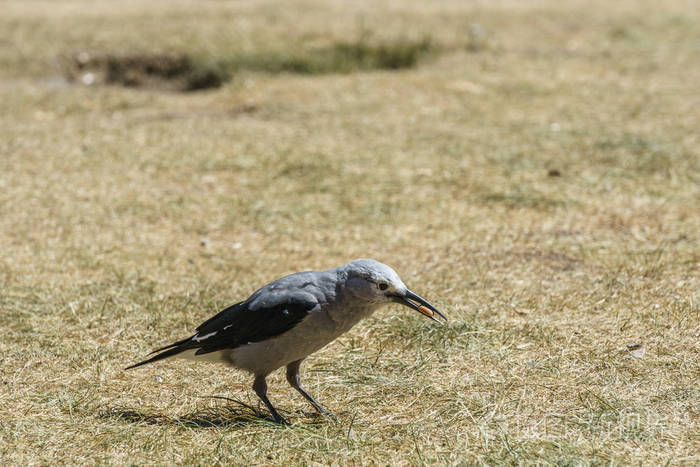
<point x="250" y="321"/>
<point x="243" y="323"/>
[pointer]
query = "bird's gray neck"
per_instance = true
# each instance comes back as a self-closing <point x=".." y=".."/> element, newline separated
<point x="345" y="317"/>
<point x="347" y="310"/>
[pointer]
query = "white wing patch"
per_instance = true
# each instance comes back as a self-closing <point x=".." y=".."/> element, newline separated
<point x="206" y="336"/>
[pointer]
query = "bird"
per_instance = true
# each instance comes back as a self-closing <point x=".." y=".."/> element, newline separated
<point x="285" y="321"/>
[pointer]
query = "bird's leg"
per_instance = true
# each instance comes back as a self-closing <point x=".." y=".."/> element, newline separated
<point x="260" y="388"/>
<point x="293" y="379"/>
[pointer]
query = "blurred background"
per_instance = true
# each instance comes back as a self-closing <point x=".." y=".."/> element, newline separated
<point x="531" y="167"/>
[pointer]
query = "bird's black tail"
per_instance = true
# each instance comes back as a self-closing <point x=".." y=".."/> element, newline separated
<point x="170" y="350"/>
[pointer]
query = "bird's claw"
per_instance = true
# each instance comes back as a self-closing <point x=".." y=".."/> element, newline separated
<point x="281" y="421"/>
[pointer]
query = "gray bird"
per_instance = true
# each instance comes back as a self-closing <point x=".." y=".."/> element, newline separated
<point x="287" y="320"/>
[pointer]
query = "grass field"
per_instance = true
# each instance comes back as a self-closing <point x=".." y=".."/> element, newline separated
<point x="531" y="167"/>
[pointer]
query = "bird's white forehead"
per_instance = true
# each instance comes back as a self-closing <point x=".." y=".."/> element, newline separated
<point x="372" y="269"/>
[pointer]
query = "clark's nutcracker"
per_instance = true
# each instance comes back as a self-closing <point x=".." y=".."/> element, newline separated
<point x="289" y="319"/>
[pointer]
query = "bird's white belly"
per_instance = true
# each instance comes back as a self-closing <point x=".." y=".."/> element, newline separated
<point x="309" y="336"/>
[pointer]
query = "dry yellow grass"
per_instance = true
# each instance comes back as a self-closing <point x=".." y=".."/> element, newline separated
<point x="538" y="179"/>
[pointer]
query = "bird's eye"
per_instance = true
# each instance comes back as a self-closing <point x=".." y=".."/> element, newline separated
<point x="383" y="286"/>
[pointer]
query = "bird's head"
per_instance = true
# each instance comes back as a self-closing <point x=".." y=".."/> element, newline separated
<point x="376" y="282"/>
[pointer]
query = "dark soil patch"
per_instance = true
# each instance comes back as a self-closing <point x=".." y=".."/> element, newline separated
<point x="174" y="72"/>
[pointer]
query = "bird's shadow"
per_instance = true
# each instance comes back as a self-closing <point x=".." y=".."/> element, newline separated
<point x="237" y="414"/>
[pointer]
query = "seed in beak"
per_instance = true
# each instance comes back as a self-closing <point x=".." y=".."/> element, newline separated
<point x="426" y="311"/>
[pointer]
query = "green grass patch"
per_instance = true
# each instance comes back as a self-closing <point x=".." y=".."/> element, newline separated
<point x="339" y="57"/>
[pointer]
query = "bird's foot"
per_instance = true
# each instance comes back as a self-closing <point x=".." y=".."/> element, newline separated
<point x="281" y="421"/>
<point x="320" y="413"/>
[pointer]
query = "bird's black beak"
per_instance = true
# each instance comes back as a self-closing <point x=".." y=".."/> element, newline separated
<point x="419" y="304"/>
